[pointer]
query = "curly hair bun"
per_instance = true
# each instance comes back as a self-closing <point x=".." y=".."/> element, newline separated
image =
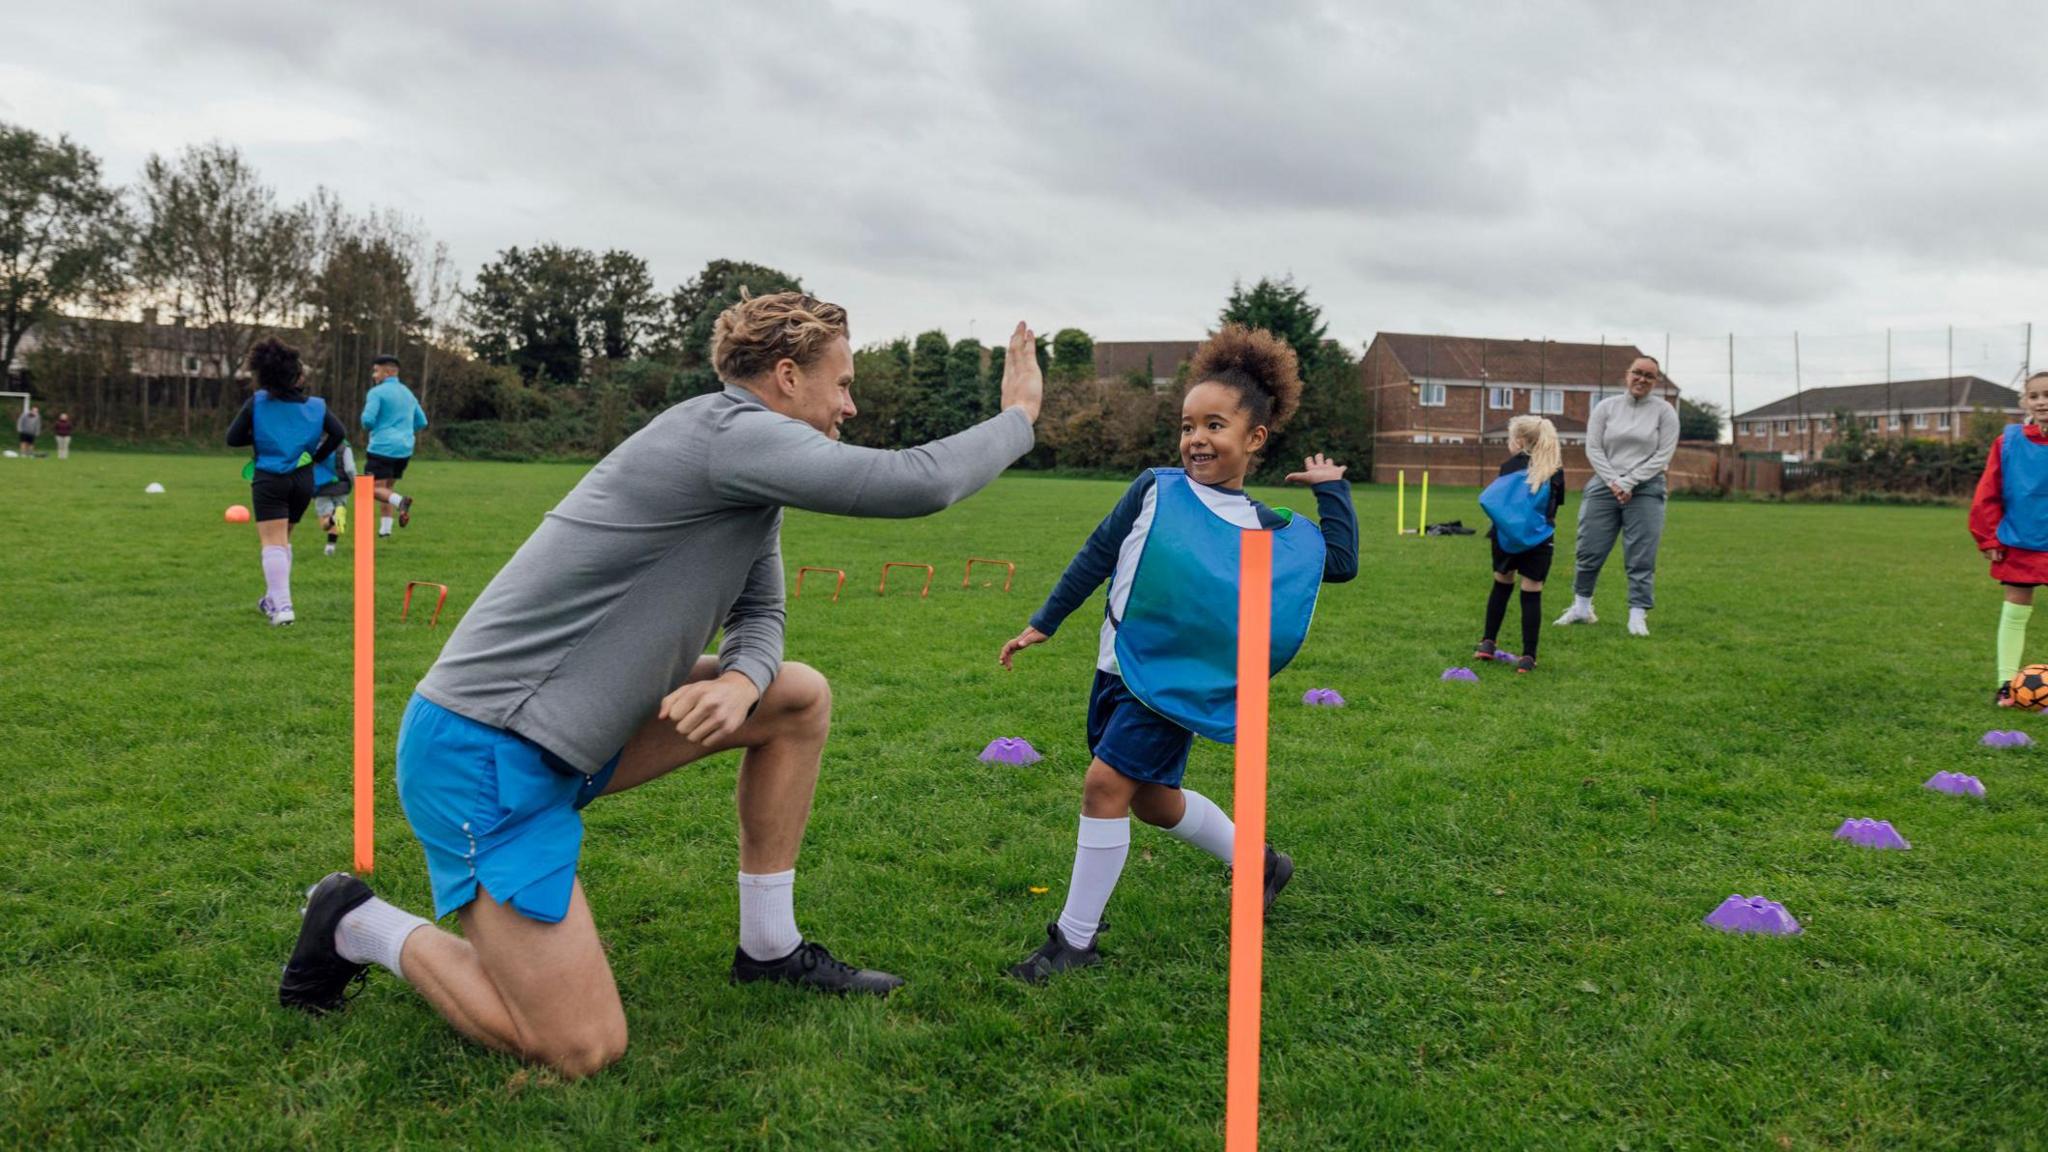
<point x="1261" y="366"/>
<point x="276" y="365"/>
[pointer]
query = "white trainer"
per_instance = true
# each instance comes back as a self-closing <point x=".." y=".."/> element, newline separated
<point x="1581" y="612"/>
<point x="1639" y="621"/>
<point x="282" y="617"/>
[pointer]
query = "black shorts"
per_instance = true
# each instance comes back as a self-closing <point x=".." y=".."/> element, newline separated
<point x="28" y="437"/>
<point x="1533" y="564"/>
<point x="388" y="468"/>
<point x="281" y="497"/>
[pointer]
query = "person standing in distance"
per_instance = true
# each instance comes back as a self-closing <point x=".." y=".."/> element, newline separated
<point x="392" y="415"/>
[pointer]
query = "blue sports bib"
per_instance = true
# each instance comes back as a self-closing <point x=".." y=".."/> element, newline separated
<point x="2023" y="468"/>
<point x="1176" y="645"/>
<point x="1519" y="523"/>
<point x="286" y="432"/>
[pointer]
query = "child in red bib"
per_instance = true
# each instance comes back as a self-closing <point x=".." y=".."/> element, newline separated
<point x="2009" y="521"/>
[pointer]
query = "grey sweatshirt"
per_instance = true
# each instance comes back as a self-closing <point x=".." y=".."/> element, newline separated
<point x="1631" y="441"/>
<point x="605" y="608"/>
<point x="30" y="424"/>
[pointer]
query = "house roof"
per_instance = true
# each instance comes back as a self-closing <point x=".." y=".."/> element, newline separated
<point x="1510" y="361"/>
<point x="1947" y="392"/>
<point x="1158" y="358"/>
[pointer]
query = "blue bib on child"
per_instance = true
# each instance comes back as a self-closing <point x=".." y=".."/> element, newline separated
<point x="1519" y="520"/>
<point x="2023" y="466"/>
<point x="286" y="431"/>
<point x="1176" y="645"/>
<point x="323" y="469"/>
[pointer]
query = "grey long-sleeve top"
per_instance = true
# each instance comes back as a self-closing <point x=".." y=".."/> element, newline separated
<point x="605" y="608"/>
<point x="1631" y="441"/>
<point x="30" y="424"/>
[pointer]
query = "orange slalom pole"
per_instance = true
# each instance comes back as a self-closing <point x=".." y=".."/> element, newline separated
<point x="1247" y="885"/>
<point x="365" y="678"/>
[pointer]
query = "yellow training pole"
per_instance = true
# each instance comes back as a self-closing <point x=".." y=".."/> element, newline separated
<point x="1423" y="520"/>
<point x="1248" y="881"/>
<point x="365" y="678"/>
<point x="1400" y="503"/>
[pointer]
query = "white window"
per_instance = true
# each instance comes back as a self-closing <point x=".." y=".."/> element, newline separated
<point x="1500" y="398"/>
<point x="1919" y="419"/>
<point x="1870" y="421"/>
<point x="1784" y="427"/>
<point x="1549" y="401"/>
<point x="1432" y="395"/>
<point x="1421" y="438"/>
<point x="1941" y="421"/>
<point x="1896" y="423"/>
<point x="1450" y="439"/>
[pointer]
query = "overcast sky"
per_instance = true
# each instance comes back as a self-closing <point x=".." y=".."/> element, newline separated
<point x="1560" y="170"/>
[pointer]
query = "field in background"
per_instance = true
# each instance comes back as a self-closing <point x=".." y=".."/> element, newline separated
<point x="1493" y="940"/>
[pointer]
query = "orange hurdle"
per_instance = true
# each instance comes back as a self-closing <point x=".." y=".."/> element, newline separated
<point x="883" y="588"/>
<point x="365" y="681"/>
<point x="1247" y="885"/>
<point x="407" y="605"/>
<point x="840" y="572"/>
<point x="967" y="577"/>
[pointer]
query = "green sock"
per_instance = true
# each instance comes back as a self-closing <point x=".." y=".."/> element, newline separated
<point x="2012" y="638"/>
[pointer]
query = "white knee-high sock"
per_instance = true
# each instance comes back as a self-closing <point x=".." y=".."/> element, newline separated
<point x="1205" y="826"/>
<point x="1099" y="855"/>
<point x="277" y="575"/>
<point x="768" y="915"/>
<point x="374" y="932"/>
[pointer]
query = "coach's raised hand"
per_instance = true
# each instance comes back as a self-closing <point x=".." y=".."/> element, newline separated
<point x="1023" y="383"/>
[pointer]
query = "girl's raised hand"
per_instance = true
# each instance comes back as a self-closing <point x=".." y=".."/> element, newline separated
<point x="1025" y="639"/>
<point x="1317" y="469"/>
<point x="1995" y="554"/>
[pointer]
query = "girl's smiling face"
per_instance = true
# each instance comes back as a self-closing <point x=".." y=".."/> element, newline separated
<point x="1217" y="439"/>
<point x="2035" y="402"/>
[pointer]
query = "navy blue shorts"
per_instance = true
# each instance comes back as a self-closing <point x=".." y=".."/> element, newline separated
<point x="1133" y="739"/>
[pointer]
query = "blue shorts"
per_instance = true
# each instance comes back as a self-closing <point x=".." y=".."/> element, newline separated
<point x="492" y="807"/>
<point x="1133" y="739"/>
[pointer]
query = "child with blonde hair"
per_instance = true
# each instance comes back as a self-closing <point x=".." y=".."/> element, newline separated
<point x="1523" y="502"/>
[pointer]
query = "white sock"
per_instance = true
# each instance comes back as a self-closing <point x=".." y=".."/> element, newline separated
<point x="768" y="915"/>
<point x="1099" y="855"/>
<point x="1205" y="826"/>
<point x="374" y="932"/>
<point x="1639" y="621"/>
<point x="384" y="526"/>
<point x="1582" y="603"/>
<point x="396" y="500"/>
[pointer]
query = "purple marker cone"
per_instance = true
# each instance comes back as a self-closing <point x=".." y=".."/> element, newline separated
<point x="1459" y="674"/>
<point x="1955" y="784"/>
<point x="1868" y="833"/>
<point x="1010" y="750"/>
<point x="1503" y="657"/>
<point x="1322" y="698"/>
<point x="1753" y="914"/>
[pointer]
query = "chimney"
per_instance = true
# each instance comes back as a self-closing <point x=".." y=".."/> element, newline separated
<point x="149" y="316"/>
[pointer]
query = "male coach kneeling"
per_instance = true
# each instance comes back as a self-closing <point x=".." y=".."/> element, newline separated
<point x="579" y="672"/>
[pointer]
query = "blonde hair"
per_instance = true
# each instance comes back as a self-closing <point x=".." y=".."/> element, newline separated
<point x="759" y="332"/>
<point x="1538" y="437"/>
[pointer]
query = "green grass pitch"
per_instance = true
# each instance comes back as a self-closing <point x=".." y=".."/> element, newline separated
<point x="1493" y="941"/>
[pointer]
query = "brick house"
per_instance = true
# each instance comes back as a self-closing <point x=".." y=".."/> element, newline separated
<point x="1159" y="360"/>
<point x="1464" y="389"/>
<point x="1802" y="425"/>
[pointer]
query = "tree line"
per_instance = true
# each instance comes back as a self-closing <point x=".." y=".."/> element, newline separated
<point x="548" y="350"/>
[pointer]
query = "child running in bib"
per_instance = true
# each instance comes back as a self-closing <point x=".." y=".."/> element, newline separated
<point x="1166" y="667"/>
<point x="334" y="477"/>
<point x="1523" y="502"/>
<point x="2009" y="521"/>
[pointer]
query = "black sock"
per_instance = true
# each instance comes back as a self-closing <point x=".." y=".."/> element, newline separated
<point x="1532" y="620"/>
<point x="1497" y="608"/>
<point x="332" y="538"/>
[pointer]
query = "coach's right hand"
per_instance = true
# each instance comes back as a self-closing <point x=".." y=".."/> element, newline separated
<point x="1023" y="383"/>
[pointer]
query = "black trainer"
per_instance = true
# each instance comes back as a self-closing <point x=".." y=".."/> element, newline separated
<point x="1279" y="870"/>
<point x="1527" y="663"/>
<point x="813" y="967"/>
<point x="1485" y="650"/>
<point x="1056" y="956"/>
<point x="405" y="513"/>
<point x="316" y="977"/>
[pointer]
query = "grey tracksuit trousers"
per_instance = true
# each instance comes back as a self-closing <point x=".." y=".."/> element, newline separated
<point x="1640" y="525"/>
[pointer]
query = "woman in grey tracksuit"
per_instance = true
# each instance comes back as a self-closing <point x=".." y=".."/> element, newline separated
<point x="1630" y="440"/>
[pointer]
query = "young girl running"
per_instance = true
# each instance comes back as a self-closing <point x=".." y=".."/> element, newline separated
<point x="1166" y="667"/>
<point x="287" y="431"/>
<point x="1523" y="502"/>
<point x="2009" y="520"/>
